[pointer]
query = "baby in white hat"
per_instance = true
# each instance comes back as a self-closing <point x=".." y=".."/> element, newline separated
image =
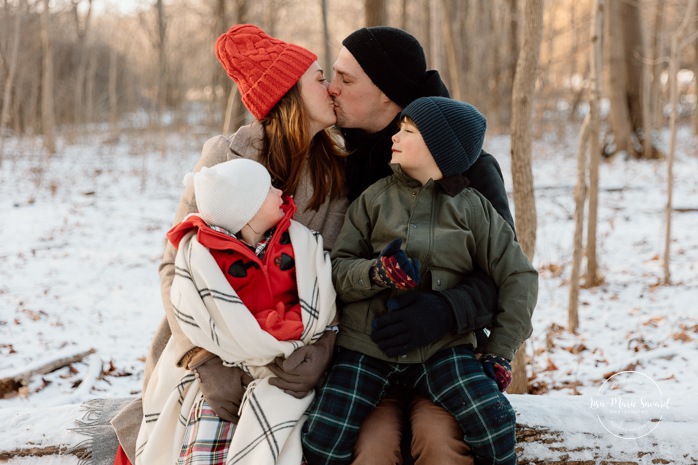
<point x="237" y="197"/>
<point x="244" y="222"/>
<point x="240" y="255"/>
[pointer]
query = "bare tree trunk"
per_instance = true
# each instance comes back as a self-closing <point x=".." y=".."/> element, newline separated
<point x="238" y="109"/>
<point x="435" y="25"/>
<point x="476" y="67"/>
<point x="624" y="40"/>
<point x="588" y="137"/>
<point x="524" y="86"/>
<point x="81" y="31"/>
<point x="522" y="172"/>
<point x="647" y="115"/>
<point x="657" y="46"/>
<point x="593" y="277"/>
<point x="376" y="13"/>
<point x="113" y="97"/>
<point x="162" y="57"/>
<point x="633" y="48"/>
<point x="674" y="67"/>
<point x="327" y="45"/>
<point x="513" y="55"/>
<point x="7" y="92"/>
<point x="220" y="81"/>
<point x="403" y="15"/>
<point x="473" y="54"/>
<point x="495" y="66"/>
<point x="90" y="81"/>
<point x="615" y="64"/>
<point x="454" y="84"/>
<point x="229" y="110"/>
<point x="580" y="193"/>
<point x="48" y="119"/>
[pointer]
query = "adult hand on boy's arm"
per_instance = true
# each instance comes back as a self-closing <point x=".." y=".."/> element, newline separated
<point x="473" y="300"/>
<point x="222" y="387"/>
<point x="414" y="319"/>
<point x="298" y="374"/>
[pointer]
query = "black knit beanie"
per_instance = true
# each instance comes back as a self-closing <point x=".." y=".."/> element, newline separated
<point x="392" y="58"/>
<point x="453" y="131"/>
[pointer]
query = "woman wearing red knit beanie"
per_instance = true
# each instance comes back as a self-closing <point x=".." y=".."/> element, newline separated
<point x="283" y="87"/>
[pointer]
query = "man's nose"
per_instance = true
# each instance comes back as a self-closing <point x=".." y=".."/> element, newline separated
<point x="333" y="88"/>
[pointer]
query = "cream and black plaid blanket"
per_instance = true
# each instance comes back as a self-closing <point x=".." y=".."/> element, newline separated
<point x="213" y="317"/>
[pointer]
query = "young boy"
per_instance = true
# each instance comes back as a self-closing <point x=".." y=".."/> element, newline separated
<point x="251" y="285"/>
<point x="446" y="229"/>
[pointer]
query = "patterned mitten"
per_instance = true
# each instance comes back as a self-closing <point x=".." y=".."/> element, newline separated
<point x="394" y="269"/>
<point x="498" y="368"/>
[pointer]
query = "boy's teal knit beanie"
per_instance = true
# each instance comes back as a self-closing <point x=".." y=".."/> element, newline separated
<point x="453" y="131"/>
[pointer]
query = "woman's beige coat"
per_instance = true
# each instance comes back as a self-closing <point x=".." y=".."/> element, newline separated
<point x="328" y="219"/>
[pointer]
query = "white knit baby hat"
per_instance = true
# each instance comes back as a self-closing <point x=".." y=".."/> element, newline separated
<point x="231" y="193"/>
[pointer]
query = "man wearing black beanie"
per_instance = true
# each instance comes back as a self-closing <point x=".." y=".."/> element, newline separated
<point x="378" y="72"/>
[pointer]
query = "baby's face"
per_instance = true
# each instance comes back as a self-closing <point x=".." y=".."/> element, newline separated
<point x="270" y="213"/>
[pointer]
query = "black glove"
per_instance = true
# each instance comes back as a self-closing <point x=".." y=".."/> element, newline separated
<point x="473" y="300"/>
<point x="394" y="268"/>
<point x="414" y="319"/>
<point x="301" y="371"/>
<point x="222" y="387"/>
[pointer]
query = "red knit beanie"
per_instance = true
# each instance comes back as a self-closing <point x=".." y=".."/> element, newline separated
<point x="264" y="68"/>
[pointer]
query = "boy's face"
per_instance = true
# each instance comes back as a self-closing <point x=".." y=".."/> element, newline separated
<point x="411" y="152"/>
<point x="270" y="213"/>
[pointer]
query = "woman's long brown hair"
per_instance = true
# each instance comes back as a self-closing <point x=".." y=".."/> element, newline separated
<point x="288" y="147"/>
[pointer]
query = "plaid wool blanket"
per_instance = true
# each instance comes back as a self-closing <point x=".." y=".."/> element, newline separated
<point x="213" y="317"/>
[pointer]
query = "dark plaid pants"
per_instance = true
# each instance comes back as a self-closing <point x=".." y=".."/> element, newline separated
<point x="453" y="378"/>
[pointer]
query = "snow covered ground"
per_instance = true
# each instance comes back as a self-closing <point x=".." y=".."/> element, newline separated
<point x="82" y="232"/>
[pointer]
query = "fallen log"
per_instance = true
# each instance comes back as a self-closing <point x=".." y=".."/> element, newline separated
<point x="11" y="380"/>
<point x="550" y="430"/>
<point x="40" y="432"/>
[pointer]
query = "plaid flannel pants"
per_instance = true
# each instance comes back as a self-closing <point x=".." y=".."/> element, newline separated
<point x="207" y="437"/>
<point x="453" y="378"/>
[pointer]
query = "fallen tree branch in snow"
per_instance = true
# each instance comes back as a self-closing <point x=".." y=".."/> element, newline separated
<point x="13" y="379"/>
<point x="39" y="432"/>
<point x="550" y="430"/>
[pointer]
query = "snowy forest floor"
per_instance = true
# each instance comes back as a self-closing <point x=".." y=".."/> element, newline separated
<point x="82" y="232"/>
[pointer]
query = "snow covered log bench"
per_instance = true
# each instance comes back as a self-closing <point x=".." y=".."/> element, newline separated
<point x="550" y="430"/>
